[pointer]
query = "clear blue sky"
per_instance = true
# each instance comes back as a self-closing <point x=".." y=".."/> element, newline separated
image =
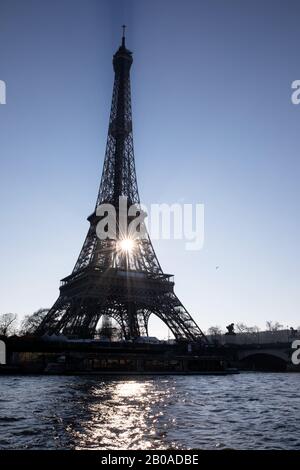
<point x="213" y="123"/>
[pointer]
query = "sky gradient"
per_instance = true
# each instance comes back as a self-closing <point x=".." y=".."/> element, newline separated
<point x="213" y="124"/>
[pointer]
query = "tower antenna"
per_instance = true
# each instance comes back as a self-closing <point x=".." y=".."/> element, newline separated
<point x="123" y="37"/>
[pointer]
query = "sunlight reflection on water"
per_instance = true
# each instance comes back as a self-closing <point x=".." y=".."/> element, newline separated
<point x="123" y="415"/>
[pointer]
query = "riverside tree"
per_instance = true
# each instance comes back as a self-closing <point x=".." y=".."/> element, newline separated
<point x="7" y="324"/>
<point x="273" y="326"/>
<point x="31" y="322"/>
<point x="214" y="330"/>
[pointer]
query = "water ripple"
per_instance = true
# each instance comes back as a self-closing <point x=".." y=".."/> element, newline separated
<point x="248" y="411"/>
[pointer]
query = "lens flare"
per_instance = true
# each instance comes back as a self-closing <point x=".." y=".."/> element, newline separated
<point x="126" y="245"/>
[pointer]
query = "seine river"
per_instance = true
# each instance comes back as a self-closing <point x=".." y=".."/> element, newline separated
<point x="246" y="411"/>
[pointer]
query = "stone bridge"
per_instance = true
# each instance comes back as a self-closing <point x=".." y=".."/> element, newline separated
<point x="265" y="357"/>
<point x="265" y="350"/>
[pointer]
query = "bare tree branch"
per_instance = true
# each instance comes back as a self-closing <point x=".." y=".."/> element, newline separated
<point x="7" y="321"/>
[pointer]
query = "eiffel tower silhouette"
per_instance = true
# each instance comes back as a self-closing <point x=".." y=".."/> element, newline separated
<point x="118" y="278"/>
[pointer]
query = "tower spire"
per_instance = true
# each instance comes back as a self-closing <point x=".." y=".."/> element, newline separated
<point x="123" y="36"/>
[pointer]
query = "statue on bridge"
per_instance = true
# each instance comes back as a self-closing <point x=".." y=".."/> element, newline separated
<point x="293" y="332"/>
<point x="230" y="329"/>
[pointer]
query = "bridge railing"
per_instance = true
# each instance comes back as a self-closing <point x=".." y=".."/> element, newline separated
<point x="261" y="337"/>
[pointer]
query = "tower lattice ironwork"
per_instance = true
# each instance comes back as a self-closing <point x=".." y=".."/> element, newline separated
<point x="125" y="284"/>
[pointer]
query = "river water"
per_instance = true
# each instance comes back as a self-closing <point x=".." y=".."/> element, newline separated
<point x="246" y="411"/>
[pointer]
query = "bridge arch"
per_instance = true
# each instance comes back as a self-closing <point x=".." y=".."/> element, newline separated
<point x="264" y="360"/>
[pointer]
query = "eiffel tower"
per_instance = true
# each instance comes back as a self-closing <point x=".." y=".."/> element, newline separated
<point x="118" y="278"/>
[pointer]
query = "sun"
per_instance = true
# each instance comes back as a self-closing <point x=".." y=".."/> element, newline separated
<point x="126" y="245"/>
